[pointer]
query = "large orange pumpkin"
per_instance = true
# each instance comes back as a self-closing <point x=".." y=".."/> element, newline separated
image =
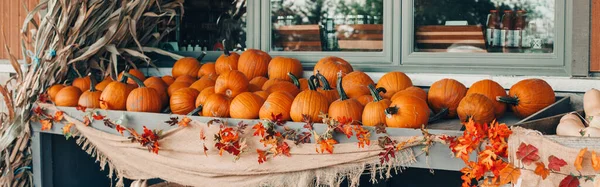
<point x="407" y="112"/>
<point x="476" y="107"/>
<point x="279" y="67"/>
<point x="301" y="83"/>
<point x="245" y="106"/>
<point x="187" y="66"/>
<point x="254" y="63"/>
<point x="414" y="91"/>
<point x="168" y="79"/>
<point x="177" y="86"/>
<point x="207" y="70"/>
<point x="186" y="78"/>
<point x="231" y="83"/>
<point x="284" y="86"/>
<point x="114" y="96"/>
<point x="90" y="98"/>
<point x="374" y="112"/>
<point x="277" y="103"/>
<point x="529" y="96"/>
<point x="364" y="99"/>
<point x="357" y="84"/>
<point x="330" y="66"/>
<point x="345" y="107"/>
<point x="257" y="83"/>
<point x="107" y="80"/>
<point x="160" y="86"/>
<point x="226" y="62"/>
<point x="444" y="97"/>
<point x="394" y="82"/>
<point x="330" y="93"/>
<point x="216" y="105"/>
<point x="183" y="101"/>
<point x="202" y="83"/>
<point x="83" y="83"/>
<point x="263" y="94"/>
<point x="143" y="99"/>
<point x="204" y="94"/>
<point x="310" y="103"/>
<point x="491" y="90"/>
<point x="53" y="90"/>
<point x="68" y="96"/>
<point x="270" y="83"/>
<point x="135" y="72"/>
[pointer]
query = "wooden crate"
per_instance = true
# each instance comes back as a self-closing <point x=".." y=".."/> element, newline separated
<point x="360" y="37"/>
<point x="299" y="38"/>
<point x="454" y="38"/>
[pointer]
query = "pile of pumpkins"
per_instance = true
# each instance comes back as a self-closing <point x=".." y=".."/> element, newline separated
<point x="253" y="85"/>
<point x="572" y="124"/>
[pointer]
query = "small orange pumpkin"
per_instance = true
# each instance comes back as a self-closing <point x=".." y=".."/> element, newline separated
<point x="135" y="72"/>
<point x="143" y="99"/>
<point x="310" y="103"/>
<point x="374" y="112"/>
<point x="90" y="98"/>
<point x="529" y="96"/>
<point x="301" y="83"/>
<point x="279" y="67"/>
<point x="491" y="90"/>
<point x="327" y="91"/>
<point x="160" y="86"/>
<point x="407" y="112"/>
<point x="444" y="97"/>
<point x="330" y="66"/>
<point x="254" y="63"/>
<point x="270" y="83"/>
<point x="207" y="69"/>
<point x="68" y="96"/>
<point x="364" y="99"/>
<point x="277" y="103"/>
<point x="177" y="86"/>
<point x="183" y="101"/>
<point x="114" y="96"/>
<point x="284" y="86"/>
<point x="476" y="107"/>
<point x="203" y="83"/>
<point x="226" y="62"/>
<point x="231" y="83"/>
<point x="216" y="105"/>
<point x="263" y="94"/>
<point x="357" y="84"/>
<point x="83" y="83"/>
<point x="414" y="91"/>
<point x="168" y="79"/>
<point x="245" y="106"/>
<point x="394" y="82"/>
<point x="186" y="78"/>
<point x="204" y="94"/>
<point x="187" y="66"/>
<point x="345" y="106"/>
<point x="53" y="90"/>
<point x="107" y="80"/>
<point x="257" y="83"/>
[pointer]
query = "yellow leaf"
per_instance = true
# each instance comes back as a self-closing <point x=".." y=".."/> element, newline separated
<point x="509" y="174"/>
<point x="67" y="128"/>
<point x="579" y="159"/>
<point x="46" y="124"/>
<point x="595" y="161"/>
<point x="184" y="122"/>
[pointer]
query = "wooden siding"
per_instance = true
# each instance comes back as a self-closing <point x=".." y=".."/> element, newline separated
<point x="12" y="15"/>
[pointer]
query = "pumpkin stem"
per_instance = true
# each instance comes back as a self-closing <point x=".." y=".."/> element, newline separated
<point x="294" y="79"/>
<point x="167" y="110"/>
<point x="138" y="81"/>
<point x="391" y="110"/>
<point x="124" y="78"/>
<point x="311" y="83"/>
<point x="375" y="92"/>
<point x="202" y="55"/>
<point x="508" y="100"/>
<point x="340" y="89"/>
<point x="439" y="115"/>
<point x="195" y="111"/>
<point x="225" y="50"/>
<point x="324" y="81"/>
<point x="92" y="84"/>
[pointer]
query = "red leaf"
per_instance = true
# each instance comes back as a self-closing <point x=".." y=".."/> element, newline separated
<point x="277" y="119"/>
<point x="284" y="149"/>
<point x="120" y="129"/>
<point x="98" y="116"/>
<point x="262" y="156"/>
<point x="527" y="154"/>
<point x="205" y="149"/>
<point x="80" y="108"/>
<point x="38" y="110"/>
<point x="569" y="181"/>
<point x="555" y="163"/>
<point x="43" y="98"/>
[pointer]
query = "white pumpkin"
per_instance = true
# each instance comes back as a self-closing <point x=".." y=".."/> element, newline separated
<point x="591" y="103"/>
<point x="591" y="132"/>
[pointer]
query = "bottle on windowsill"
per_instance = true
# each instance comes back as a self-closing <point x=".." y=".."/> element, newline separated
<point x="506" y="33"/>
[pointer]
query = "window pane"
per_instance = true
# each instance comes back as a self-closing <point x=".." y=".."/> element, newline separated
<point x="487" y="26"/>
<point x="327" y="25"/>
<point x="206" y="23"/>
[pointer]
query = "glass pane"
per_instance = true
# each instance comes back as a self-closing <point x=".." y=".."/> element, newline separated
<point x="327" y="25"/>
<point x="205" y="24"/>
<point x="486" y="26"/>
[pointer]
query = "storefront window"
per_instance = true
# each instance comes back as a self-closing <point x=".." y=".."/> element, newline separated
<point x="484" y="26"/>
<point x="327" y="25"/>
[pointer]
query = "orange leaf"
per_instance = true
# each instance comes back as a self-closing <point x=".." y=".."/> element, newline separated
<point x="259" y="129"/>
<point x="98" y="116"/>
<point x="487" y="158"/>
<point x="120" y="129"/>
<point x="58" y="116"/>
<point x="46" y="124"/>
<point x="555" y="163"/>
<point x="509" y="174"/>
<point x="527" y="153"/>
<point x="262" y="156"/>
<point x="326" y="145"/>
<point x="541" y="170"/>
<point x="67" y="128"/>
<point x="184" y="122"/>
<point x="579" y="159"/>
<point x="595" y="161"/>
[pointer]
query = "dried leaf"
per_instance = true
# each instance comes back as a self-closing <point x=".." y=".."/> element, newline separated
<point x="579" y="159"/>
<point x="595" y="161"/>
<point x="259" y="130"/>
<point x="120" y="129"/>
<point x="185" y="122"/>
<point x="527" y="153"/>
<point x="46" y="125"/>
<point x="569" y="181"/>
<point x="509" y="174"/>
<point x="58" y="116"/>
<point x="541" y="170"/>
<point x="262" y="156"/>
<point x="555" y="163"/>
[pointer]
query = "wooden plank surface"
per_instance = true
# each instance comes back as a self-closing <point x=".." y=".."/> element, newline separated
<point x="12" y="15"/>
<point x="595" y="42"/>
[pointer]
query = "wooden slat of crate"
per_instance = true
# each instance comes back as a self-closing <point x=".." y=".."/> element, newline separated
<point x="299" y="38"/>
<point x="440" y="38"/>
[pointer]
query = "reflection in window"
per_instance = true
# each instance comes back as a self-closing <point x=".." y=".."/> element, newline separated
<point x="206" y="23"/>
<point x="327" y="25"/>
<point x="486" y="26"/>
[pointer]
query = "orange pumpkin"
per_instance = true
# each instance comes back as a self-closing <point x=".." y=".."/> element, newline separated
<point x="407" y="112"/>
<point x="203" y="83"/>
<point x="204" y="94"/>
<point x="284" y="86"/>
<point x="90" y="98"/>
<point x="245" y="106"/>
<point x="357" y="84"/>
<point x="310" y="103"/>
<point x="143" y="99"/>
<point x="107" y="80"/>
<point x="53" y="90"/>
<point x="114" y="96"/>
<point x="231" y="83"/>
<point x="177" y="86"/>
<point x="183" y="101"/>
<point x="257" y="83"/>
<point x="491" y="90"/>
<point x="444" y="97"/>
<point x="207" y="69"/>
<point x="83" y="83"/>
<point x="414" y="91"/>
<point x="216" y="105"/>
<point x="277" y="103"/>
<point x="327" y="91"/>
<point x="187" y="66"/>
<point x="279" y="67"/>
<point x="68" y="96"/>
<point x="137" y="73"/>
<point x="330" y="66"/>
<point x="301" y="83"/>
<point x="374" y="112"/>
<point x="168" y="79"/>
<point x="186" y="78"/>
<point x="476" y="107"/>
<point x="394" y="82"/>
<point x="263" y="94"/>
<point x="254" y="63"/>
<point x="226" y="62"/>
<point x="364" y="99"/>
<point x="161" y="88"/>
<point x="529" y="96"/>
<point x="345" y="107"/>
<point x="270" y="83"/>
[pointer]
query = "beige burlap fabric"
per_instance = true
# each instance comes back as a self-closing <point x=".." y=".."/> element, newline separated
<point x="181" y="160"/>
<point x="547" y="147"/>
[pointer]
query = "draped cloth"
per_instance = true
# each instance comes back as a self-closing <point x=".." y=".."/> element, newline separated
<point x="181" y="160"/>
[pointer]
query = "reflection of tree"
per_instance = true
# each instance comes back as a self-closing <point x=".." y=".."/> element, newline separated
<point x="315" y="11"/>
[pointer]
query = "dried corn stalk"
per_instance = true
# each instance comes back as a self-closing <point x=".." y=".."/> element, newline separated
<point x="73" y="37"/>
